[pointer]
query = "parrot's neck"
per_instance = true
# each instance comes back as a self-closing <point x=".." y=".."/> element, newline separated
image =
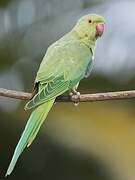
<point x="81" y="36"/>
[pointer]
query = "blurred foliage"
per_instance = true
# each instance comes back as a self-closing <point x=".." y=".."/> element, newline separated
<point x="92" y="141"/>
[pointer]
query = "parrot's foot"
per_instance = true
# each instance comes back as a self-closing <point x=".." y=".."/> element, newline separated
<point x="77" y="96"/>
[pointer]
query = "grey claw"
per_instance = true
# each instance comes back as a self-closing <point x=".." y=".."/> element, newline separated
<point x="78" y="94"/>
<point x="76" y="103"/>
<point x="71" y="94"/>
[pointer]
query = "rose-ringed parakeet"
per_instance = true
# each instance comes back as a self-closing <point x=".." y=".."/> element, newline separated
<point x="65" y="63"/>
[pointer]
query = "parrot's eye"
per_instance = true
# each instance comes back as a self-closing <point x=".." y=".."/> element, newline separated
<point x="89" y="21"/>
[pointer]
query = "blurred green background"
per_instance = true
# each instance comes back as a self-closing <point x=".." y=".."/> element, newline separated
<point x="92" y="141"/>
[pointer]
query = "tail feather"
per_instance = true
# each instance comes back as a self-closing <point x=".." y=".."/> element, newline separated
<point x="33" y="125"/>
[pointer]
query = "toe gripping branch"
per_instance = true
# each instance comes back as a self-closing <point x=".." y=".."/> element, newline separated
<point x="75" y="97"/>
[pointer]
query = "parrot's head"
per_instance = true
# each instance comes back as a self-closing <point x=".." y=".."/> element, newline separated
<point x="91" y="26"/>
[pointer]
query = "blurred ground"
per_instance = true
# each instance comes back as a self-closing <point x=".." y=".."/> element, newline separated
<point x="92" y="141"/>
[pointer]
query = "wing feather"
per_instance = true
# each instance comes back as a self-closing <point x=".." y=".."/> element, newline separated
<point x="53" y="89"/>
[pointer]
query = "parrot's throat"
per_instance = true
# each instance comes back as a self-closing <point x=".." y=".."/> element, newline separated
<point x="84" y="38"/>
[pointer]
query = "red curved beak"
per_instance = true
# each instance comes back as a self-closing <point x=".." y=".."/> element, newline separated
<point x="100" y="29"/>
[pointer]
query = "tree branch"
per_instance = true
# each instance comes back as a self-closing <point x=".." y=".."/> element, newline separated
<point x="83" y="97"/>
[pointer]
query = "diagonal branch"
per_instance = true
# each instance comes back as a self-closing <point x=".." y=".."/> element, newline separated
<point x="83" y="97"/>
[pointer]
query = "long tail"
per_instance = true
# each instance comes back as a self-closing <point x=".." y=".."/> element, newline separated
<point x="33" y="125"/>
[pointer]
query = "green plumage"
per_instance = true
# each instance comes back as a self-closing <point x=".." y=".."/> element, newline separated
<point x="36" y="119"/>
<point x="66" y="62"/>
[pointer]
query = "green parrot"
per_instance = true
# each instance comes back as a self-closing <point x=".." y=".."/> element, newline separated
<point x="65" y="63"/>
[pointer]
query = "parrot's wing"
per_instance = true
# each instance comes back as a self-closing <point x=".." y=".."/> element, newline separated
<point x="90" y="64"/>
<point x="89" y="68"/>
<point x="51" y="90"/>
